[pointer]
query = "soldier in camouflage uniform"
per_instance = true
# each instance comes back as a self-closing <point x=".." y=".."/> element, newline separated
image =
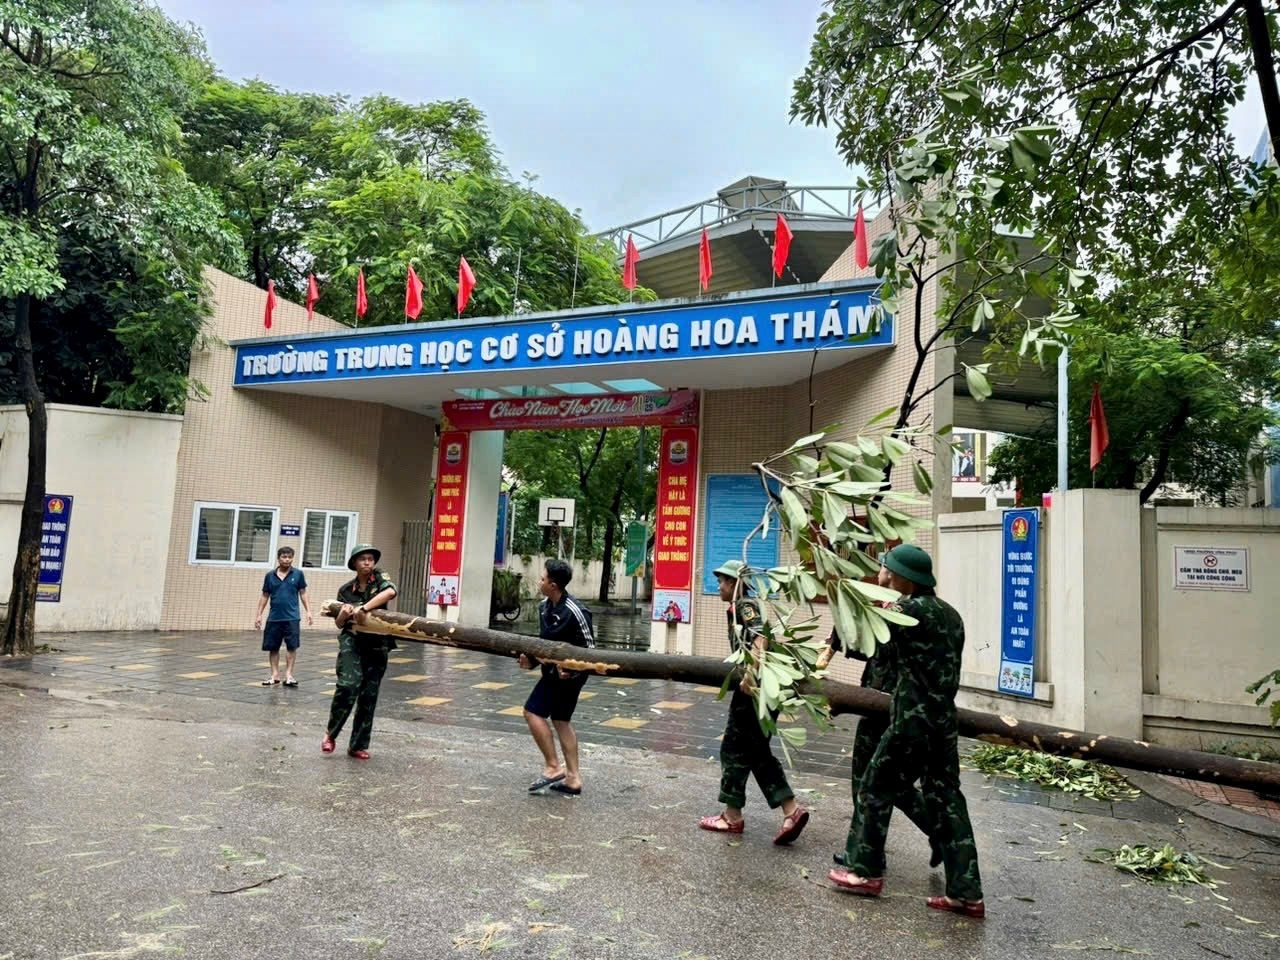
<point x="920" y="742"/>
<point x="362" y="657"/>
<point x="745" y="751"/>
<point x="877" y="675"/>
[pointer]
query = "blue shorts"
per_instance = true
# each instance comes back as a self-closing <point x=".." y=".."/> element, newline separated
<point x="281" y="631"/>
<point x="555" y="698"/>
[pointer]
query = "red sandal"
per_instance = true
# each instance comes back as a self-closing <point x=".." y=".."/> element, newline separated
<point x="719" y="823"/>
<point x="792" y="826"/>
<point x="976" y="910"/>
<point x="327" y="744"/>
<point x="859" y="886"/>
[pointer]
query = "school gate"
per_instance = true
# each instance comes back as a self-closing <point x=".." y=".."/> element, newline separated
<point x="729" y="381"/>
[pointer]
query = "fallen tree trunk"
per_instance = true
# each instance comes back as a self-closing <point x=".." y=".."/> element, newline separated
<point x="843" y="697"/>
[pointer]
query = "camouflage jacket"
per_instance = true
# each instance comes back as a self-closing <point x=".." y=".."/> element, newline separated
<point x="350" y="592"/>
<point x="924" y="664"/>
<point x="745" y="621"/>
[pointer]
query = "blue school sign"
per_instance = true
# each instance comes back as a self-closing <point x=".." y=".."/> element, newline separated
<point x="1020" y="559"/>
<point x="838" y="317"/>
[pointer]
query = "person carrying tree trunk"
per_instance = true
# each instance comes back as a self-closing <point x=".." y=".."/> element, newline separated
<point x="745" y="750"/>
<point x="920" y="742"/>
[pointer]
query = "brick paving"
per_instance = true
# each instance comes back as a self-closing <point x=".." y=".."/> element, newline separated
<point x="1246" y="800"/>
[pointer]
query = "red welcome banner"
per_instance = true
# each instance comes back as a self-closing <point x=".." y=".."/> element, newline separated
<point x="446" y="528"/>
<point x="673" y="530"/>
<point x="676" y="408"/>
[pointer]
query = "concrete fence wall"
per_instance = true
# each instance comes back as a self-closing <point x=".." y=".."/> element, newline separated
<point x="1121" y="648"/>
<point x="586" y="578"/>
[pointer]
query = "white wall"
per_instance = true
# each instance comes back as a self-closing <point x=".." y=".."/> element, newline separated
<point x="120" y="469"/>
<point x="586" y="579"/>
<point x="1120" y="650"/>
<point x="1203" y="647"/>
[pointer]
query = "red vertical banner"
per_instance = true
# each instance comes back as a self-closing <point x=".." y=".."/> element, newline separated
<point x="446" y="530"/>
<point x="673" y="532"/>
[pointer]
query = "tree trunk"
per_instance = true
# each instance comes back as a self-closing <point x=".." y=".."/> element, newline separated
<point x="843" y="697"/>
<point x="20" y="624"/>
<point x="1264" y="66"/>
<point x="1171" y="433"/>
<point x="610" y="531"/>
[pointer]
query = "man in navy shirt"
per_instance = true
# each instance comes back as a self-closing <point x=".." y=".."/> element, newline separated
<point x="555" y="696"/>
<point x="284" y="587"/>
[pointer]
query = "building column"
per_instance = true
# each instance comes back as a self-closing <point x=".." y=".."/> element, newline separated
<point x="479" y="527"/>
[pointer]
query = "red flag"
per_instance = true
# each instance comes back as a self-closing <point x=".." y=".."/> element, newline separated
<point x="466" y="283"/>
<point x="781" y="245"/>
<point x="362" y="302"/>
<point x="313" y="294"/>
<point x="271" y="304"/>
<point x="412" y="295"/>
<point x="704" y="261"/>
<point x="860" y="240"/>
<point x="1099" y="436"/>
<point x="629" y="264"/>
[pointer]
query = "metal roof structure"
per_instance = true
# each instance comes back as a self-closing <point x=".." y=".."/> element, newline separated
<point x="740" y="221"/>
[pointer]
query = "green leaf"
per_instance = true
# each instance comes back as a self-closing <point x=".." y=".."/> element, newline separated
<point x="979" y="386"/>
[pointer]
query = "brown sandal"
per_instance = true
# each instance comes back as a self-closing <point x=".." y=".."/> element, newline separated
<point x="719" y="823"/>
<point x="976" y="909"/>
<point x="792" y="826"/>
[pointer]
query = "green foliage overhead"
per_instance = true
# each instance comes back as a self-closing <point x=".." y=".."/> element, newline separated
<point x="91" y="198"/>
<point x="1123" y="108"/>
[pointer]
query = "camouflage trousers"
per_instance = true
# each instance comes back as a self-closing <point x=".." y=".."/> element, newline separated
<point x="896" y="764"/>
<point x="361" y="664"/>
<point x="745" y="752"/>
<point x="865" y="740"/>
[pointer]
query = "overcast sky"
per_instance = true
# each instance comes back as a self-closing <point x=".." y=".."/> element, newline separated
<point x="622" y="110"/>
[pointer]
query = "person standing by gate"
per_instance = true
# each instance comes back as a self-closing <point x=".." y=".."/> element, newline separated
<point x="362" y="657"/>
<point x="919" y="743"/>
<point x="555" y="697"/>
<point x="745" y="750"/>
<point x="285" y="587"/>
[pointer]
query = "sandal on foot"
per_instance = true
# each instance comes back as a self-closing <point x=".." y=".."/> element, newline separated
<point x="291" y="682"/>
<point x="719" y="823"/>
<point x="566" y="790"/>
<point x="976" y="910"/>
<point x="327" y="744"/>
<point x="543" y="782"/>
<point x="358" y="754"/>
<point x="792" y="826"/>
<point x="271" y="683"/>
<point x="860" y="886"/>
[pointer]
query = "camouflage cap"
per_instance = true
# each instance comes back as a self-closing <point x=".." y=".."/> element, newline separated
<point x="733" y="569"/>
<point x="911" y="563"/>
<point x="360" y="548"/>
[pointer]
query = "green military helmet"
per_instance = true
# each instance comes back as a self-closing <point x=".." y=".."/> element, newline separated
<point x="911" y="563"/>
<point x="733" y="569"/>
<point x="360" y="548"/>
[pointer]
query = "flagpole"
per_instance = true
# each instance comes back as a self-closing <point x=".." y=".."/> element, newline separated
<point x="573" y="295"/>
<point x="1064" y="420"/>
<point x="515" y="297"/>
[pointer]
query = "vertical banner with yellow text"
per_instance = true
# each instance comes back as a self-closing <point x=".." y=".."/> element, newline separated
<point x="673" y="530"/>
<point x="446" y="532"/>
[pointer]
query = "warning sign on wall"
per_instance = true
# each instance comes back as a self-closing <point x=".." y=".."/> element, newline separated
<point x="1211" y="568"/>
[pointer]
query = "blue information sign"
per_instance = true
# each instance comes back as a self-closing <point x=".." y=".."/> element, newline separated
<point x="1020" y="562"/>
<point x="53" y="546"/>
<point x="290" y="530"/>
<point x="735" y="504"/>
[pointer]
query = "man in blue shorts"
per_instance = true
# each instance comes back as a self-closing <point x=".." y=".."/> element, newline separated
<point x="285" y="587"/>
<point x="561" y="618"/>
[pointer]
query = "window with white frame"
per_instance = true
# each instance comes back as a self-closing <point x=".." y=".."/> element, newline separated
<point x="327" y="538"/>
<point x="234" y="534"/>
